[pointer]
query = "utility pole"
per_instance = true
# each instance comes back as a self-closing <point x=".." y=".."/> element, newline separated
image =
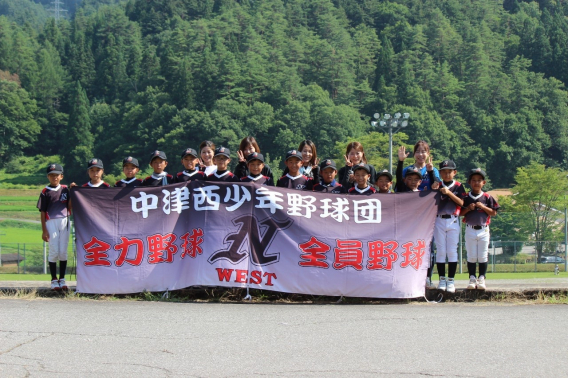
<point x="57" y="10"/>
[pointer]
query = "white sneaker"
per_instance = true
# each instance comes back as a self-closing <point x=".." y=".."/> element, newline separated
<point x="429" y="284"/>
<point x="62" y="284"/>
<point x="442" y="284"/>
<point x="450" y="285"/>
<point x="481" y="283"/>
<point x="55" y="285"/>
<point x="472" y="283"/>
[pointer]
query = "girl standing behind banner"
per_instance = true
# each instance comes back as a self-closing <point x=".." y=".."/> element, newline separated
<point x="206" y="151"/>
<point x="310" y="160"/>
<point x="355" y="154"/>
<point x="248" y="146"/>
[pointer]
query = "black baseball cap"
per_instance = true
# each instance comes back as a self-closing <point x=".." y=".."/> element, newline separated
<point x="385" y="172"/>
<point x="98" y="163"/>
<point x="362" y="166"/>
<point x="255" y="156"/>
<point x="188" y="151"/>
<point x="130" y="160"/>
<point x="448" y="164"/>
<point x="293" y="153"/>
<point x="476" y="171"/>
<point x="222" y="151"/>
<point x="55" y="169"/>
<point x="327" y="163"/>
<point x="158" y="154"/>
<point x="413" y="171"/>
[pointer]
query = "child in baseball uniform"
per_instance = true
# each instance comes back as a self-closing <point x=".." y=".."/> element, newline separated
<point x="130" y="168"/>
<point x="190" y="162"/>
<point x="384" y="182"/>
<point x="362" y="174"/>
<point x="53" y="204"/>
<point x="327" y="173"/>
<point x="96" y="170"/>
<point x="478" y="208"/>
<point x="447" y="227"/>
<point x="255" y="168"/>
<point x="222" y="158"/>
<point x="294" y="179"/>
<point x="158" y="162"/>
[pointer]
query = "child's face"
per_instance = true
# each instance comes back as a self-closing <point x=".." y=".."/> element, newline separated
<point x="307" y="154"/>
<point x="355" y="156"/>
<point x="255" y="167"/>
<point x="361" y="177"/>
<point x="95" y="174"/>
<point x="328" y="174"/>
<point x="448" y="174"/>
<point x="207" y="155"/>
<point x="189" y="162"/>
<point x="293" y="165"/>
<point x="476" y="182"/>
<point x="221" y="162"/>
<point x="412" y="181"/>
<point x="54" y="179"/>
<point x="158" y="165"/>
<point x="130" y="170"/>
<point x="249" y="149"/>
<point x="421" y="155"/>
<point x="383" y="183"/>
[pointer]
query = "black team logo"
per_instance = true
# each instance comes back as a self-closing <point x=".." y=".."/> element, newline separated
<point x="255" y="241"/>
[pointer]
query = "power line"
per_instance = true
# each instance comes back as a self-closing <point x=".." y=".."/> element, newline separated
<point x="57" y="10"/>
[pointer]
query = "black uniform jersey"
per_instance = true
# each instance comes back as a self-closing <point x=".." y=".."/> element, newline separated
<point x="299" y="182"/>
<point x="333" y="187"/>
<point x="446" y="205"/>
<point x="479" y="217"/>
<point x="158" y="180"/>
<point x="226" y="176"/>
<point x="133" y="182"/>
<point x="54" y="202"/>
<point x="103" y="185"/>
<point x="355" y="191"/>
<point x="194" y="175"/>
<point x="260" y="179"/>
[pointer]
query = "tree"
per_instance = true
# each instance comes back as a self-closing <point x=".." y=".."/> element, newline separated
<point x="540" y="192"/>
<point x="78" y="137"/>
<point x="18" y="128"/>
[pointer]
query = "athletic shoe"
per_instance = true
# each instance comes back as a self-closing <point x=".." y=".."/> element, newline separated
<point x="55" y="285"/>
<point x="472" y="283"/>
<point x="429" y="284"/>
<point x="481" y="283"/>
<point x="62" y="284"/>
<point x="450" y="286"/>
<point x="442" y="284"/>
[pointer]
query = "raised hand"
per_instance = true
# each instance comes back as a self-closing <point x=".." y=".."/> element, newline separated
<point x="429" y="165"/>
<point x="436" y="185"/>
<point x="347" y="161"/>
<point x="242" y="157"/>
<point x="201" y="165"/>
<point x="402" y="154"/>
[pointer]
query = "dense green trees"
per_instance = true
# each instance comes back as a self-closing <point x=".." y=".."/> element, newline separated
<point x="484" y="83"/>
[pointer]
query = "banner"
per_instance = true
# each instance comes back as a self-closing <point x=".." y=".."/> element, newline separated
<point x="245" y="235"/>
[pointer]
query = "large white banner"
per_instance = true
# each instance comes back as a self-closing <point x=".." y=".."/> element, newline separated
<point x="244" y="235"/>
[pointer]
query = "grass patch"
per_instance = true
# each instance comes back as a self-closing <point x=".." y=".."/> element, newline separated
<point x="25" y="277"/>
<point x="510" y="276"/>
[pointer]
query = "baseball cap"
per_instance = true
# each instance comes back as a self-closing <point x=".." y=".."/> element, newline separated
<point x="189" y="151"/>
<point x="448" y="164"/>
<point x="327" y="163"/>
<point x="293" y="153"/>
<point x="255" y="156"/>
<point x="158" y="154"/>
<point x="476" y="171"/>
<point x="54" y="168"/>
<point x="385" y="172"/>
<point x="413" y="171"/>
<point x="98" y="163"/>
<point x="362" y="166"/>
<point x="130" y="160"/>
<point x="222" y="151"/>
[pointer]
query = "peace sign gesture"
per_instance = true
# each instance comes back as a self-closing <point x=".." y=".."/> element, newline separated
<point x="429" y="165"/>
<point x="242" y="157"/>
<point x="402" y="154"/>
<point x="347" y="161"/>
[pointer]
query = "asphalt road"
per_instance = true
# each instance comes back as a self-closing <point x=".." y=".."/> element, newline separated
<point x="90" y="338"/>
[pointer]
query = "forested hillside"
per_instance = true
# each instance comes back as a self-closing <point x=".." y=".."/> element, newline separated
<point x="484" y="82"/>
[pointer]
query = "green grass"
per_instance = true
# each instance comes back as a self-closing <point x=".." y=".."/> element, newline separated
<point x="20" y="235"/>
<point x="26" y="277"/>
<point x="510" y="276"/>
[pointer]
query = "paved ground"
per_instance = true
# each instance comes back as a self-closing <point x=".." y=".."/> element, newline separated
<point x="90" y="338"/>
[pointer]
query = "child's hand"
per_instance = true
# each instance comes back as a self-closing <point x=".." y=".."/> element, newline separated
<point x="348" y="162"/>
<point x="429" y="165"/>
<point x="402" y="154"/>
<point x="479" y="205"/>
<point x="201" y="165"/>
<point x="242" y="158"/>
<point x="317" y="161"/>
<point x="72" y="185"/>
<point x="471" y="206"/>
<point x="45" y="236"/>
<point x="436" y="185"/>
<point x="443" y="190"/>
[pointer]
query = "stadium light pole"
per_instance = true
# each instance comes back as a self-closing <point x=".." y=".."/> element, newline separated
<point x="392" y="125"/>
